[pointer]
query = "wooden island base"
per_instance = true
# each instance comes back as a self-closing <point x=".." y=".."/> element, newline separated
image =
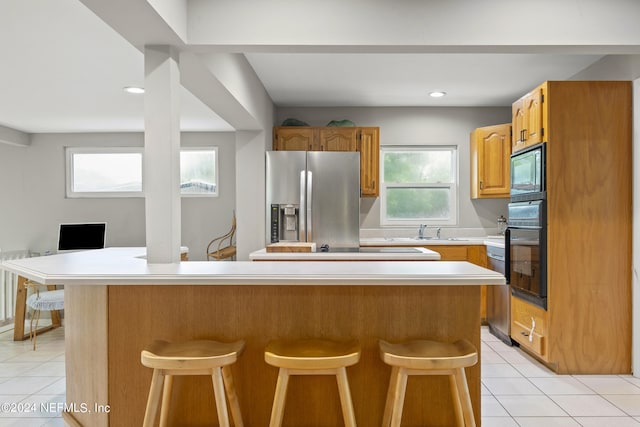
<point x="107" y="327"/>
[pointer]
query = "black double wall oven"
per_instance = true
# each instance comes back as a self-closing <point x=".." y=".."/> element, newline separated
<point x="526" y="234"/>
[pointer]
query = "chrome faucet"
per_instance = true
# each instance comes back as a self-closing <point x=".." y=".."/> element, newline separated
<point x="421" y="231"/>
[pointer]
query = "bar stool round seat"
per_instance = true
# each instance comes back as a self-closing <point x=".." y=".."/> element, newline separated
<point x="312" y="357"/>
<point x="424" y="357"/>
<point x="203" y="357"/>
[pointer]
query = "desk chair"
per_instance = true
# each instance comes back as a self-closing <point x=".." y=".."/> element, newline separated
<point x="38" y="301"/>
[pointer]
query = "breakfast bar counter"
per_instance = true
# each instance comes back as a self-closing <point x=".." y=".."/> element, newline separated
<point x="116" y="303"/>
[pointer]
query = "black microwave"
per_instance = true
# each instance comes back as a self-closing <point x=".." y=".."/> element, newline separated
<point x="528" y="174"/>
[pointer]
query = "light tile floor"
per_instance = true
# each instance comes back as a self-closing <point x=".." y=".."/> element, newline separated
<point x="32" y="383"/>
<point x="516" y="390"/>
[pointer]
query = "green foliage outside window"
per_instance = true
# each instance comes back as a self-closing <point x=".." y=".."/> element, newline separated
<point x="417" y="203"/>
<point x="417" y="166"/>
<point x="414" y="183"/>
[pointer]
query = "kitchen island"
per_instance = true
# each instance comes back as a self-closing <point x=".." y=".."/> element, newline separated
<point x="115" y="303"/>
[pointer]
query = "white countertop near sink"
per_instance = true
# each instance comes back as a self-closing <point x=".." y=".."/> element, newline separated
<point x="421" y="254"/>
<point x="413" y="241"/>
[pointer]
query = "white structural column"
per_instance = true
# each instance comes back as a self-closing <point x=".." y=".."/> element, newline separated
<point x="162" y="154"/>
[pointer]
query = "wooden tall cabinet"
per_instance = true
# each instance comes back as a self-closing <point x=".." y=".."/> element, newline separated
<point x="369" y="148"/>
<point x="587" y="326"/>
<point x="490" y="161"/>
<point x="365" y="140"/>
<point x="529" y="119"/>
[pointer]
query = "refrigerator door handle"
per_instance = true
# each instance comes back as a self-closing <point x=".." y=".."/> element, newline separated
<point x="301" y="213"/>
<point x="309" y="206"/>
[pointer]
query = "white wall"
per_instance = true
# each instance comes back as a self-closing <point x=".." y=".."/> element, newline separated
<point x="420" y="126"/>
<point x="32" y="187"/>
<point x="204" y="218"/>
<point x="252" y="139"/>
<point x="13" y="205"/>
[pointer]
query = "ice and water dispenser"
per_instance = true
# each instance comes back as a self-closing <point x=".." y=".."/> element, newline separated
<point x="285" y="222"/>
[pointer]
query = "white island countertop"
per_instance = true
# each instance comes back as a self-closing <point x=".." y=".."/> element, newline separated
<point x="127" y="266"/>
<point x="365" y="254"/>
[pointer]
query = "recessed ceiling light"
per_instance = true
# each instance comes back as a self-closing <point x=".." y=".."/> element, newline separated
<point x="437" y="94"/>
<point x="134" y="89"/>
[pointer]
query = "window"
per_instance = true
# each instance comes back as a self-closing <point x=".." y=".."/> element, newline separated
<point x="104" y="172"/>
<point x="117" y="172"/>
<point x="199" y="171"/>
<point x="419" y="185"/>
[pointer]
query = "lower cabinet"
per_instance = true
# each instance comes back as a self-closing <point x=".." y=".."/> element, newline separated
<point x="529" y="327"/>
<point x="450" y="253"/>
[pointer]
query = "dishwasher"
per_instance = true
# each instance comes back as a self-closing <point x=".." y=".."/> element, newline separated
<point x="498" y="298"/>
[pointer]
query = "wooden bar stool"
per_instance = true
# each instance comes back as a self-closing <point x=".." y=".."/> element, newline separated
<point x="423" y="357"/>
<point x="191" y="358"/>
<point x="312" y="357"/>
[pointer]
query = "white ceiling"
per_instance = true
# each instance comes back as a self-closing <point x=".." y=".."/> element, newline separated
<point x="397" y="80"/>
<point x="63" y="70"/>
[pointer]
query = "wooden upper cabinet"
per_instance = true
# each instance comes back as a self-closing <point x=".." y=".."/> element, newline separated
<point x="293" y="138"/>
<point x="302" y="138"/>
<point x="490" y="161"/>
<point x="369" y="148"/>
<point x="338" y="139"/>
<point x="528" y="119"/>
<point x="365" y="140"/>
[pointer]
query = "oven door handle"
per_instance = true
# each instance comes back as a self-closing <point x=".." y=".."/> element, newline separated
<point x="507" y="255"/>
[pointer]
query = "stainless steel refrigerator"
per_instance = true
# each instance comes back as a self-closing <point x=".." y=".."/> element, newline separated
<point x="313" y="196"/>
